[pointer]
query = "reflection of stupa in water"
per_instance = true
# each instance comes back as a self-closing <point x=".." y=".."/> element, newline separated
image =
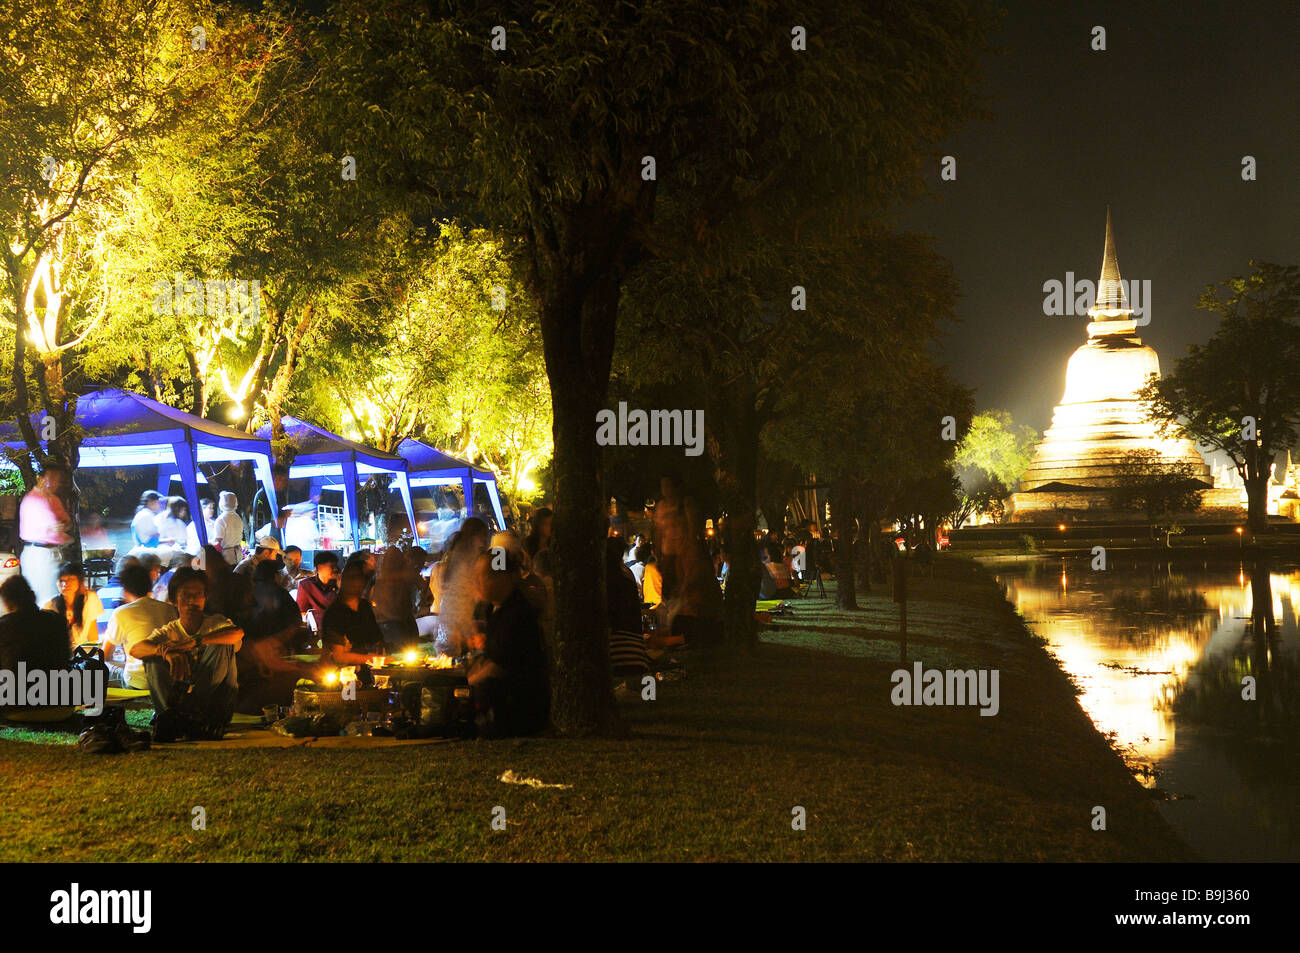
<point x="1100" y="418"/>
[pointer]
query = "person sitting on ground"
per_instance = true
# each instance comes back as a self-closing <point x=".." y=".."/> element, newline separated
<point x="190" y="665"/>
<point x="652" y="580"/>
<point x="349" y="633"/>
<point x="267" y="548"/>
<point x="627" y="650"/>
<point x="509" y="681"/>
<point x="293" y="571"/>
<point x="151" y="562"/>
<point x="36" y="637"/>
<point x="139" y="616"/>
<point x="316" y="593"/>
<point x="776" y="581"/>
<point x="266" y="675"/>
<point x="78" y="606"/>
<point x="177" y="561"/>
<point x="366" y="560"/>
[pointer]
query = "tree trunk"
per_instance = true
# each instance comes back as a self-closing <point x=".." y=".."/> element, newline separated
<point x="738" y="483"/>
<point x="578" y="319"/>
<point x="841" y="499"/>
<point x="1257" y="504"/>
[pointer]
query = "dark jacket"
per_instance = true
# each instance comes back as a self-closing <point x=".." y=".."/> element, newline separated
<point x="34" y="636"/>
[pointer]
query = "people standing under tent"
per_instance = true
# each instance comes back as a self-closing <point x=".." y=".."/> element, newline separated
<point x="228" y="533"/>
<point x="209" y="511"/>
<point x="78" y="606"/>
<point x="173" y="524"/>
<point x="261" y="515"/>
<point x="144" y="525"/>
<point x="44" y="526"/>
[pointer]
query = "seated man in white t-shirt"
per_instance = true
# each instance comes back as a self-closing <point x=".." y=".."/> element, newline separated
<point x="190" y="665"/>
<point x="134" y="621"/>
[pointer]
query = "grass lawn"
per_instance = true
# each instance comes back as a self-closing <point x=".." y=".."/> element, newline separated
<point x="711" y="770"/>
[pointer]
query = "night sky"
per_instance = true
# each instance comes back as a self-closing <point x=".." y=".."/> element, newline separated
<point x="1156" y="126"/>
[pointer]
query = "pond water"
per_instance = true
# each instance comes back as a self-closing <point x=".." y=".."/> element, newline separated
<point x="1162" y="652"/>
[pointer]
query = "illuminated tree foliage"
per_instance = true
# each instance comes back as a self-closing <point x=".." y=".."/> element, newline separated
<point x="989" y="463"/>
<point x="446" y="349"/>
<point x="77" y="114"/>
<point x="1240" y="391"/>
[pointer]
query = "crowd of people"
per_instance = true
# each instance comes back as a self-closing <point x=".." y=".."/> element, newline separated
<point x="211" y="630"/>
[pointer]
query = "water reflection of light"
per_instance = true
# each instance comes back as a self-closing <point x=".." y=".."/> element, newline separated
<point x="1130" y="657"/>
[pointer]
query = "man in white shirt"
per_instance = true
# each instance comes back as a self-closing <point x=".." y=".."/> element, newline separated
<point x="228" y="535"/>
<point x="135" y="620"/>
<point x="190" y="665"/>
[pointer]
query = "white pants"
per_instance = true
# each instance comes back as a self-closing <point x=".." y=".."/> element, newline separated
<point x="40" y="568"/>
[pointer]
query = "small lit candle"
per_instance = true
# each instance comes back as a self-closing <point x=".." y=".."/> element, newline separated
<point x="331" y="677"/>
<point x="410" y="657"/>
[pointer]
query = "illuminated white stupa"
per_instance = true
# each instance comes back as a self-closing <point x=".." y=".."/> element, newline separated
<point x="1100" y="417"/>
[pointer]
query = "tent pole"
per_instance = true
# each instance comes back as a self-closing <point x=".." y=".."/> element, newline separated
<point x="491" y="486"/>
<point x="350" y="500"/>
<point x="262" y="467"/>
<point x="467" y="487"/>
<point x="183" y="453"/>
<point x="404" y="485"/>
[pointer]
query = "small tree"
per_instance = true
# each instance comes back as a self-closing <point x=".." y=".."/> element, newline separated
<point x="1163" y="489"/>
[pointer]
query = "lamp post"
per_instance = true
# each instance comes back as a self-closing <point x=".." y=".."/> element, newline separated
<point x="1241" y="539"/>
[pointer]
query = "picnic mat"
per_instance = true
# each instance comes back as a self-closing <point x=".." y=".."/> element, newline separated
<point x="126" y="694"/>
<point x="241" y="737"/>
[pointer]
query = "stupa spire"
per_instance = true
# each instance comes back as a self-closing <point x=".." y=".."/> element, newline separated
<point x="1112" y="302"/>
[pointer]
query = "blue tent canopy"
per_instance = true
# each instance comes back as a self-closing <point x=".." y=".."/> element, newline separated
<point x="124" y="429"/>
<point x="329" y="459"/>
<point x="429" y="466"/>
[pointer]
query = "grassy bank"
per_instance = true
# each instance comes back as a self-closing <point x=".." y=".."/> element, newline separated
<point x="712" y="770"/>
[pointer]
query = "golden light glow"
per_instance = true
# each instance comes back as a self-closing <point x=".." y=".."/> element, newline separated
<point x="347" y="674"/>
<point x="410" y="656"/>
<point x="1061" y="527"/>
<point x="331" y="677"/>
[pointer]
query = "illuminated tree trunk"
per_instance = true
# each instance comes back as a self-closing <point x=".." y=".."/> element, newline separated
<point x="578" y="316"/>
